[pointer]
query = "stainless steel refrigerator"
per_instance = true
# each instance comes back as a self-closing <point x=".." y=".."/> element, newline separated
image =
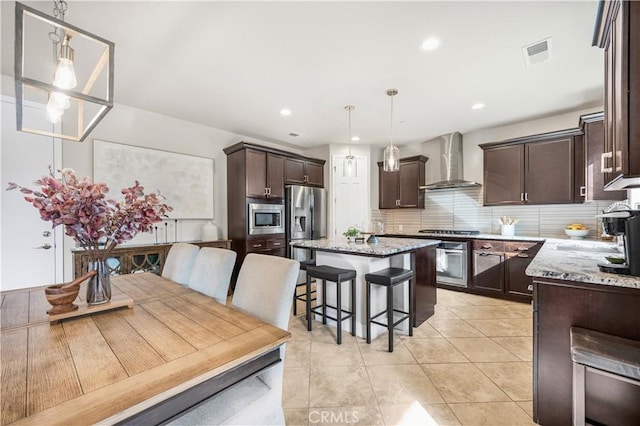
<point x="305" y="217"/>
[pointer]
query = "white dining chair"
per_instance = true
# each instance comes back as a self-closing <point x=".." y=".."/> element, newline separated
<point x="179" y="262"/>
<point x="211" y="273"/>
<point x="264" y="288"/>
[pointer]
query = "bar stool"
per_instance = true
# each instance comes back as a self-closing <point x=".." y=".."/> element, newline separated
<point x="390" y="278"/>
<point x="603" y="354"/>
<point x="337" y="275"/>
<point x="302" y="297"/>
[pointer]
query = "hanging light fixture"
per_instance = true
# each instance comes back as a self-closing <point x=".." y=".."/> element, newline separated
<point x="77" y="110"/>
<point x="350" y="166"/>
<point x="391" y="153"/>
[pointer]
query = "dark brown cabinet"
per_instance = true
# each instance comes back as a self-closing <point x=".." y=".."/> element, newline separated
<point x="488" y="265"/>
<point x="401" y="189"/>
<point x="265" y="174"/>
<point x="257" y="174"/>
<point x="518" y="256"/>
<point x="303" y="172"/>
<point x="593" y="178"/>
<point x="499" y="267"/>
<point x="536" y="169"/>
<point x="618" y="33"/>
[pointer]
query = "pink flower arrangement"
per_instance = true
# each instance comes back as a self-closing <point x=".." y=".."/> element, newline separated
<point x="88" y="216"/>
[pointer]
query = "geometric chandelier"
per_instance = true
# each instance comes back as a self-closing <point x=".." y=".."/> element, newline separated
<point x="63" y="67"/>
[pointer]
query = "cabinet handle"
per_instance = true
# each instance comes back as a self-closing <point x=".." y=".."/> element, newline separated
<point x="268" y="191"/>
<point x="257" y="245"/>
<point x="530" y="287"/>
<point x="603" y="162"/>
<point x="305" y="178"/>
<point x="276" y="244"/>
<point x="523" y="255"/>
<point x="526" y="196"/>
<point x="583" y="191"/>
<point x="487" y="246"/>
<point x="522" y="249"/>
<point x="522" y="196"/>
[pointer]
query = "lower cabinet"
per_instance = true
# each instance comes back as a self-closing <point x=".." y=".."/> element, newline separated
<point x="499" y="267"/>
<point x="274" y="246"/>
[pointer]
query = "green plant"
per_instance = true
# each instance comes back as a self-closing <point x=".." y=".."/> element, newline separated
<point x="351" y="231"/>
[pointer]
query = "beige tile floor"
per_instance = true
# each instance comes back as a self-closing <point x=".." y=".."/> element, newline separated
<point x="469" y="364"/>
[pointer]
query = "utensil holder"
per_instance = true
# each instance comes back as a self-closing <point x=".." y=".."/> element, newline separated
<point x="508" y="230"/>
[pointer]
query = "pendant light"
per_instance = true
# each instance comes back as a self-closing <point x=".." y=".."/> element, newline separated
<point x="80" y="100"/>
<point x="391" y="153"/>
<point x="350" y="166"/>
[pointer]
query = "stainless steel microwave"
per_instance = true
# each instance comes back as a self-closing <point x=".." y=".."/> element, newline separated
<point x="266" y="219"/>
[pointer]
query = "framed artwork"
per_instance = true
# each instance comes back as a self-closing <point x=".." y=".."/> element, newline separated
<point x="185" y="180"/>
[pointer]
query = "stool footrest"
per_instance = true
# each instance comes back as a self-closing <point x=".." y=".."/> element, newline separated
<point x="318" y="311"/>
<point x="404" y="316"/>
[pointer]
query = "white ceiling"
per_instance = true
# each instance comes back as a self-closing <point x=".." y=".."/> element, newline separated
<point x="235" y="65"/>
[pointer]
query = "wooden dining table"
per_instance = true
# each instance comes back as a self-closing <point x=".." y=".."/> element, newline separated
<point x="143" y="365"/>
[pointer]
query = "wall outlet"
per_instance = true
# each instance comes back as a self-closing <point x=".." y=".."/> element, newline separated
<point x="400" y="227"/>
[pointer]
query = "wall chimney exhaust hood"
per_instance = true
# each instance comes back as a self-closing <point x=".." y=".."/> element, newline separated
<point x="451" y="171"/>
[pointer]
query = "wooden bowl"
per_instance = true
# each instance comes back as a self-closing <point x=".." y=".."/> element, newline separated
<point x="61" y="298"/>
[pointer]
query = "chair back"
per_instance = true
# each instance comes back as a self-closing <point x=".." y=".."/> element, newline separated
<point x="179" y="261"/>
<point x="265" y="287"/>
<point x="211" y="273"/>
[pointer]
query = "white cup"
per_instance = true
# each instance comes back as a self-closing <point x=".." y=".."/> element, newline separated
<point x="508" y="230"/>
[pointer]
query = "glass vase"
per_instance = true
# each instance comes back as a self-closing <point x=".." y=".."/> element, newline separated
<point x="99" y="285"/>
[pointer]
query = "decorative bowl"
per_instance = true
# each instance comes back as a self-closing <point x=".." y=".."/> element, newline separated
<point x="61" y="297"/>
<point x="576" y="234"/>
<point x="615" y="260"/>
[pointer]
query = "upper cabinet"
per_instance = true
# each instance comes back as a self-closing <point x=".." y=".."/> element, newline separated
<point x="304" y="172"/>
<point x="535" y="169"/>
<point x="593" y="176"/>
<point x="265" y="174"/>
<point x="618" y="33"/>
<point x="401" y="189"/>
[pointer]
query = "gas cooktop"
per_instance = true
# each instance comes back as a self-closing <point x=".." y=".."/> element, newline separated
<point x="448" y="231"/>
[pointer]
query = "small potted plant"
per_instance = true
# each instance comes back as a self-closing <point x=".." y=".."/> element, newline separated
<point x="351" y="233"/>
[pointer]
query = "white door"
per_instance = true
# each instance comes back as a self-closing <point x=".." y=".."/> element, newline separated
<point x="351" y="196"/>
<point x="25" y="260"/>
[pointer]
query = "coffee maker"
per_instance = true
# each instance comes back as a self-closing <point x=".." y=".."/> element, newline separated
<point x="624" y="224"/>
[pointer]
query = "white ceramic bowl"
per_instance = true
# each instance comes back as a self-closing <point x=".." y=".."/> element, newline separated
<point x="576" y="234"/>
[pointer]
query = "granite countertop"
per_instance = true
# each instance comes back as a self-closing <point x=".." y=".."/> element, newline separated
<point x="470" y="237"/>
<point x="577" y="260"/>
<point x="386" y="247"/>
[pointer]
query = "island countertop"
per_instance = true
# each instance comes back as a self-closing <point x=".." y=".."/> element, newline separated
<point x="386" y="246"/>
<point x="575" y="260"/>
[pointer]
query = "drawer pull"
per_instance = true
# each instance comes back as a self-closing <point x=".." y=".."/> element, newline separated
<point x="257" y="245"/>
<point x="522" y="249"/>
<point x="523" y="255"/>
<point x="276" y="244"/>
<point x="487" y="246"/>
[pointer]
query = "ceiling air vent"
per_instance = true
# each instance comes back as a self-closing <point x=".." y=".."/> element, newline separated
<point x="294" y="134"/>
<point x="537" y="52"/>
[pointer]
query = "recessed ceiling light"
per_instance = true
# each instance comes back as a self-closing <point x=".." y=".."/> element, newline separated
<point x="479" y="105"/>
<point x="430" y="43"/>
<point x="285" y="111"/>
<point x="355" y="139"/>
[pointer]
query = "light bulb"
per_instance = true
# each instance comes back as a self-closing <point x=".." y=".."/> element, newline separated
<point x="60" y="100"/>
<point x="65" y="77"/>
<point x="54" y="111"/>
<point x="350" y="166"/>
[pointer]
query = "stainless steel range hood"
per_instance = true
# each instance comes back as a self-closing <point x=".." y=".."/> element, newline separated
<point x="451" y="170"/>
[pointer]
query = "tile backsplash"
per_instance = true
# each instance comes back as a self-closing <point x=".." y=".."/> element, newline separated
<point x="462" y="209"/>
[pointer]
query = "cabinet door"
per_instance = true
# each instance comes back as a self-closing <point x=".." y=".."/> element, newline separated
<point x="504" y="175"/>
<point x="294" y="171"/>
<point x="595" y="179"/>
<point x="518" y="281"/>
<point x="388" y="189"/>
<point x="275" y="175"/>
<point x="409" y="181"/>
<point x="256" y="173"/>
<point x="314" y="173"/>
<point x="488" y="271"/>
<point x="549" y="171"/>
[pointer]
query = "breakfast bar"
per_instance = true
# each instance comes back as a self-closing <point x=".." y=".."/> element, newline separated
<point x="417" y="255"/>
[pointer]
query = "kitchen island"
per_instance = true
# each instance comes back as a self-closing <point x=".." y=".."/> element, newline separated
<point x="418" y="255"/>
<point x="570" y="291"/>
